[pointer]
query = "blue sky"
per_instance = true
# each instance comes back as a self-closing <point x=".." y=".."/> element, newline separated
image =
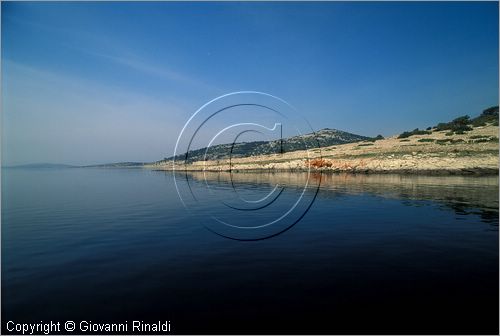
<point x="87" y="83"/>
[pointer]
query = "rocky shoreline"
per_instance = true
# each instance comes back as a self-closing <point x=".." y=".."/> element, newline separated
<point x="478" y="171"/>
<point x="437" y="153"/>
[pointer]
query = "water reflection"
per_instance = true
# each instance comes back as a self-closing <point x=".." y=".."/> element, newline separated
<point x="462" y="194"/>
<point x="376" y="248"/>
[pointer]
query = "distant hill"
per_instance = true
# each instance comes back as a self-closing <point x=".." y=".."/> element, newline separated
<point x="42" y="165"/>
<point x="117" y="165"/>
<point x="323" y="138"/>
<point x="58" y="166"/>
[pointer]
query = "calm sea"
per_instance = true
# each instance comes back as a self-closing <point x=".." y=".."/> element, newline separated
<point x="373" y="254"/>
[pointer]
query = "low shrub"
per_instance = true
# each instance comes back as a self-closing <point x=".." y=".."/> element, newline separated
<point x="478" y="122"/>
<point x="492" y="139"/>
<point x="378" y="137"/>
<point x="456" y="125"/>
<point x="416" y="131"/>
<point x="449" y="141"/>
<point x="426" y="140"/>
<point x="404" y="135"/>
<point x="489" y="115"/>
<point x="462" y="129"/>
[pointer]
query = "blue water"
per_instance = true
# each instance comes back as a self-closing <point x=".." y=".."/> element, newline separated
<point x="374" y="254"/>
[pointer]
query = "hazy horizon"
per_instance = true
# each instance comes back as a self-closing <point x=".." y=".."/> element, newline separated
<point x="92" y="83"/>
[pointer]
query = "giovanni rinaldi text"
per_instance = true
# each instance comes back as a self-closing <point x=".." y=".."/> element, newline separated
<point x="50" y="327"/>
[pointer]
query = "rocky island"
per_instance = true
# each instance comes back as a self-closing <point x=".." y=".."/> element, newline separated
<point x="463" y="146"/>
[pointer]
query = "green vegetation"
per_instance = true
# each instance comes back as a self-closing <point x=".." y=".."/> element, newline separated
<point x="378" y="137"/>
<point x="464" y="123"/>
<point x="462" y="153"/>
<point x="479" y="140"/>
<point x="484" y="139"/>
<point x="329" y="137"/>
<point x="449" y="141"/>
<point x="416" y="131"/>
<point x="458" y="125"/>
<point x="490" y="115"/>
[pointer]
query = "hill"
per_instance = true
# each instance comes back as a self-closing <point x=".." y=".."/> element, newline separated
<point x="323" y="138"/>
<point x="463" y="146"/>
<point x="42" y="165"/>
<point x="118" y="165"/>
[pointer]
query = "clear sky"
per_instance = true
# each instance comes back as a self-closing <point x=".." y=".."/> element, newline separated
<point x="86" y="83"/>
